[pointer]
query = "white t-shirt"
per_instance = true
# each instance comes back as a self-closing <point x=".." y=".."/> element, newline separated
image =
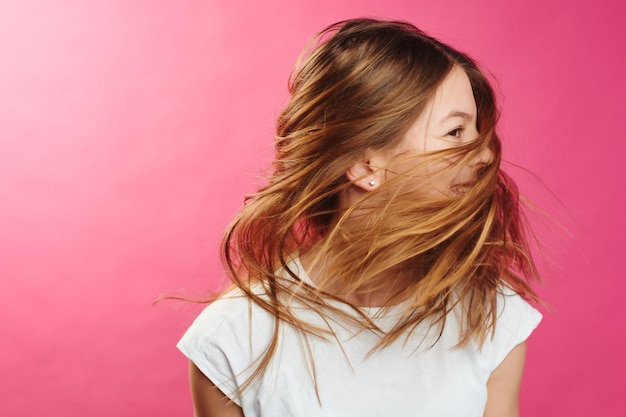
<point x="408" y="378"/>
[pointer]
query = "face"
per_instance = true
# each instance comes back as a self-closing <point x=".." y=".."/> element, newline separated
<point x="448" y="121"/>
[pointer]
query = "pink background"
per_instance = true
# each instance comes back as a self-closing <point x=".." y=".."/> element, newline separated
<point x="130" y="131"/>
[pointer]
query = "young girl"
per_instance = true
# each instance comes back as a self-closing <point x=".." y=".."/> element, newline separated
<point x="383" y="269"/>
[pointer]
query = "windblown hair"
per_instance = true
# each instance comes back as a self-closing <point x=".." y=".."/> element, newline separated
<point x="361" y="87"/>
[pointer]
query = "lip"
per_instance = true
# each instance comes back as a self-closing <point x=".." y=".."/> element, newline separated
<point x="461" y="189"/>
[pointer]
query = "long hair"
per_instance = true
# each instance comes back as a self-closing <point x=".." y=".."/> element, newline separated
<point x="361" y="87"/>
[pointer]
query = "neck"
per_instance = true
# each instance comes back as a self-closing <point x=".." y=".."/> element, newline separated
<point x="326" y="260"/>
<point x="384" y="289"/>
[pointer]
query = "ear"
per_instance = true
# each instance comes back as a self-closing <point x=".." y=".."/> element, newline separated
<point x="370" y="173"/>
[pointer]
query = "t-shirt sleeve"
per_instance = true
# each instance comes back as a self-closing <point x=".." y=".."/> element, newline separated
<point x="220" y="343"/>
<point x="516" y="320"/>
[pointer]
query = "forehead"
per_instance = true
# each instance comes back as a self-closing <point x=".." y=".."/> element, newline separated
<point x="454" y="94"/>
<point x="451" y="106"/>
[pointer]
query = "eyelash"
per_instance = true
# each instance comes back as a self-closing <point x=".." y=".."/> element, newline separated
<point x="456" y="133"/>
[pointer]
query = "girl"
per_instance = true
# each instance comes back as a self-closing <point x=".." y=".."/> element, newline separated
<point x="383" y="269"/>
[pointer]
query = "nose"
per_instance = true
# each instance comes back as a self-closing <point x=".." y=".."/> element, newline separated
<point x="483" y="157"/>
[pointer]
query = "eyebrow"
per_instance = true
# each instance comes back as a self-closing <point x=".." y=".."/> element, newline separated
<point x="457" y="113"/>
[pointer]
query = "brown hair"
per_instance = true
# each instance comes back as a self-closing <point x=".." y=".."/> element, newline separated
<point x="361" y="88"/>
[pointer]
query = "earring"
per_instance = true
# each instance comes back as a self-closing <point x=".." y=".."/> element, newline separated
<point x="372" y="183"/>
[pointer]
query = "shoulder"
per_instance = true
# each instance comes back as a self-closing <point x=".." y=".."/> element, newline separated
<point x="226" y="338"/>
<point x="227" y="321"/>
<point x="515" y="315"/>
<point x="515" y="321"/>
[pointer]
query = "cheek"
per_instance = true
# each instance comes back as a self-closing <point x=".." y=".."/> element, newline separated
<point x="442" y="169"/>
<point x="442" y="177"/>
<point x="433" y="144"/>
<point x="431" y="180"/>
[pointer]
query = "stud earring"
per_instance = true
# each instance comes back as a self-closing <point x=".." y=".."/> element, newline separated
<point x="372" y="183"/>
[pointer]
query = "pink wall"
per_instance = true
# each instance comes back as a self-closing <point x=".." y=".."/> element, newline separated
<point x="131" y="130"/>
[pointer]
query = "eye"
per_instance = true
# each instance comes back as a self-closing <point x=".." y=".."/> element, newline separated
<point x="456" y="133"/>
